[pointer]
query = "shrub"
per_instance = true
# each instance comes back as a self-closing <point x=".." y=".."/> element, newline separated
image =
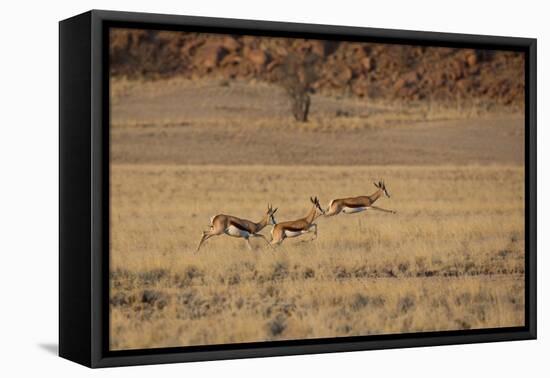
<point x="296" y="75"/>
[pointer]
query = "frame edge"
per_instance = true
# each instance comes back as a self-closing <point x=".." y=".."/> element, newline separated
<point x="75" y="334"/>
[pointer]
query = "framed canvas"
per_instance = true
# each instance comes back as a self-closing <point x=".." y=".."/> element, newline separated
<point x="234" y="188"/>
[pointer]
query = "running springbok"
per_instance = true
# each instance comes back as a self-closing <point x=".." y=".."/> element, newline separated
<point x="237" y="227"/>
<point x="291" y="229"/>
<point x="356" y="204"/>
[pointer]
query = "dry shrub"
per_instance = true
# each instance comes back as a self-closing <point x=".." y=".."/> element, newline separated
<point x="296" y="75"/>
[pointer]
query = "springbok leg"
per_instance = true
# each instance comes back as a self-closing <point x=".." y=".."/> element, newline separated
<point x="384" y="210"/>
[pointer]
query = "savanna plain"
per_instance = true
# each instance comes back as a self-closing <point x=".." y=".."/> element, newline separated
<point x="451" y="258"/>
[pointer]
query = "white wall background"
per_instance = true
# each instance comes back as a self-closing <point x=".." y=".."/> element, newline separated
<point x="29" y="186"/>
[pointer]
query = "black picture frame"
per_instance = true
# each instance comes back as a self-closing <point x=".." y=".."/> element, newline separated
<point x="84" y="189"/>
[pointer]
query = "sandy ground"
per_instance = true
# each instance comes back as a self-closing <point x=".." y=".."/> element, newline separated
<point x="188" y="123"/>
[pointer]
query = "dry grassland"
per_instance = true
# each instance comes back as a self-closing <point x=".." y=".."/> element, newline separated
<point x="451" y="258"/>
<point x="182" y="151"/>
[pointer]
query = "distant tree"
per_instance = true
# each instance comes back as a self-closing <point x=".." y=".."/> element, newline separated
<point x="296" y="75"/>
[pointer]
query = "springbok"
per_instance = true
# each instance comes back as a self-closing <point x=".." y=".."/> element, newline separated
<point x="356" y="204"/>
<point x="237" y="227"/>
<point x="291" y="229"/>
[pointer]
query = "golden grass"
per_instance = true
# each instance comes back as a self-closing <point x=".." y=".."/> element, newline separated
<point x="451" y="258"/>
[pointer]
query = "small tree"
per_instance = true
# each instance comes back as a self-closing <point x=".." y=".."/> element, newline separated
<point x="297" y="76"/>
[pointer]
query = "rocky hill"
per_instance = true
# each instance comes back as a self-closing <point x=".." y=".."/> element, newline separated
<point x="361" y="69"/>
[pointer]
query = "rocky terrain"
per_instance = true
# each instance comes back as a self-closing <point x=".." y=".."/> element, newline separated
<point x="370" y="70"/>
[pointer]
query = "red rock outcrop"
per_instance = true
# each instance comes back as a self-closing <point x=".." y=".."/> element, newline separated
<point x="363" y="69"/>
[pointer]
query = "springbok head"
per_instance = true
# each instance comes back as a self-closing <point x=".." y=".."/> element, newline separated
<point x="315" y="202"/>
<point x="270" y="214"/>
<point x="382" y="187"/>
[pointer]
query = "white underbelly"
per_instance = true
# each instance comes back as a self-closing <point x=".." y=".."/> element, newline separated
<point x="236" y="232"/>
<point x="293" y="234"/>
<point x="351" y="210"/>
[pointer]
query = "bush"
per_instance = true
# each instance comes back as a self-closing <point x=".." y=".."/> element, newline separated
<point x="296" y="75"/>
